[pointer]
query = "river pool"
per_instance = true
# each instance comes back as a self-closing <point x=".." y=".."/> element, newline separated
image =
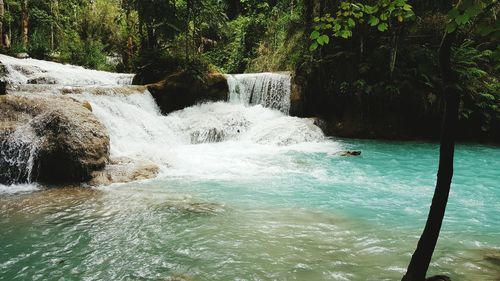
<point x="255" y="212"/>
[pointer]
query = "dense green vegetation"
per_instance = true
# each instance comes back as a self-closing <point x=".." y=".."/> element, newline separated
<point x="353" y="59"/>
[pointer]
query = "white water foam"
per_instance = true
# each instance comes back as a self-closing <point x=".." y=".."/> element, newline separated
<point x="32" y="71"/>
<point x="213" y="140"/>
<point x="18" y="188"/>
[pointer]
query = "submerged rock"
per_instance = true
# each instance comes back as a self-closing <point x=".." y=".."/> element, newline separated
<point x="350" y="153"/>
<point x="50" y="140"/>
<point x="183" y="89"/>
<point x="42" y="80"/>
<point x="123" y="170"/>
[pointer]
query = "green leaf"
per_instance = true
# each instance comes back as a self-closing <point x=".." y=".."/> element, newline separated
<point x="325" y="39"/>
<point x="320" y="41"/>
<point x="383" y="27"/>
<point x="313" y="46"/>
<point x="407" y="7"/>
<point x="462" y="19"/>
<point x="373" y="21"/>
<point x="450" y="27"/>
<point x="351" y="23"/>
<point x="345" y="34"/>
<point x="314" y="35"/>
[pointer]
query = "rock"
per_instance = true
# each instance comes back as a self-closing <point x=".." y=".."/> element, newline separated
<point x="49" y="139"/>
<point x="3" y="86"/>
<point x="183" y="89"/>
<point x="87" y="105"/>
<point x="123" y="170"/>
<point x="158" y="68"/>
<point x="297" y="103"/>
<point x="350" y="153"/>
<point x="42" y="80"/>
<point x="322" y="124"/>
<point x="22" y="56"/>
<point x="3" y="81"/>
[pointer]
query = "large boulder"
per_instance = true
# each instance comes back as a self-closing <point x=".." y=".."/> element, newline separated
<point x="49" y="139"/>
<point x="184" y="89"/>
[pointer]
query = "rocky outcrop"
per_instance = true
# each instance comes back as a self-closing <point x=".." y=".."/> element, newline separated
<point x="184" y="89"/>
<point x="123" y="170"/>
<point x="49" y="139"/>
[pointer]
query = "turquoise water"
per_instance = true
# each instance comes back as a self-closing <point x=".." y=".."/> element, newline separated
<point x="293" y="214"/>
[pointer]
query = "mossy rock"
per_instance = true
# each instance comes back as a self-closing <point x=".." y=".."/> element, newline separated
<point x="185" y="88"/>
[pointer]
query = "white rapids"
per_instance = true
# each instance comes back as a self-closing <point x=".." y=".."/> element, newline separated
<point x="32" y="71"/>
<point x="212" y="140"/>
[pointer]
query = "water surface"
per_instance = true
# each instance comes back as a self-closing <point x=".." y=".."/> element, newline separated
<point x="301" y="213"/>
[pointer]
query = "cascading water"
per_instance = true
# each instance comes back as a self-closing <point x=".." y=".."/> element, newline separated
<point x="243" y="192"/>
<point x="32" y="71"/>
<point x="138" y="130"/>
<point x="271" y="90"/>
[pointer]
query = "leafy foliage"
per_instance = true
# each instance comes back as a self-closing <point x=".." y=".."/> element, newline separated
<point x="481" y="99"/>
<point x="353" y="14"/>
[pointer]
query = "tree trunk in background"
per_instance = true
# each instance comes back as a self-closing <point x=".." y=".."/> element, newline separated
<point x="54" y="7"/>
<point x="419" y="264"/>
<point x="233" y="9"/>
<point x="24" y="24"/>
<point x="2" y="15"/>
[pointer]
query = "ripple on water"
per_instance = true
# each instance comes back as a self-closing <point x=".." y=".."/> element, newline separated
<point x="318" y="216"/>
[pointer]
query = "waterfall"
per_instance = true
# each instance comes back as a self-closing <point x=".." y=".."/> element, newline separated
<point x="202" y="139"/>
<point x="271" y="90"/>
<point x="32" y="71"/>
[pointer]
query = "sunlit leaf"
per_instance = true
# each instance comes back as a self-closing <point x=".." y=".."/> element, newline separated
<point x="314" y="35"/>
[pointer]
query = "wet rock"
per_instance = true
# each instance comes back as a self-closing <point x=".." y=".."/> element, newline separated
<point x="157" y="68"/>
<point x="123" y="170"/>
<point x="87" y="105"/>
<point x="42" y="80"/>
<point x="297" y="103"/>
<point x="493" y="257"/>
<point x="22" y="56"/>
<point x="321" y="123"/>
<point x="3" y="81"/>
<point x="49" y="139"/>
<point x="3" y="86"/>
<point x="350" y="153"/>
<point x="183" y="89"/>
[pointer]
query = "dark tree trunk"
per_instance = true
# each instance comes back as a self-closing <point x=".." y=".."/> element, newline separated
<point x="233" y="9"/>
<point x="2" y="15"/>
<point x="421" y="259"/>
<point x="308" y="15"/>
<point x="24" y="24"/>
